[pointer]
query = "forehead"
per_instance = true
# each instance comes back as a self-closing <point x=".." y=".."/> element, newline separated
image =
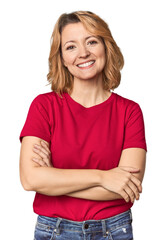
<point x="74" y="31"/>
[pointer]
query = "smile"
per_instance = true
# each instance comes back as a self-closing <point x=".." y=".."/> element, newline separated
<point x="87" y="64"/>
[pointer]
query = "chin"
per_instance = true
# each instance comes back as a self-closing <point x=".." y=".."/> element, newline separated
<point x="88" y="76"/>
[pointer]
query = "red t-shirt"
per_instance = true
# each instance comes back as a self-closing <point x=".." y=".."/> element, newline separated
<point x="84" y="138"/>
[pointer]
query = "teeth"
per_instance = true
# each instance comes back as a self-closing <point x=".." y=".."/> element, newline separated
<point x="86" y="64"/>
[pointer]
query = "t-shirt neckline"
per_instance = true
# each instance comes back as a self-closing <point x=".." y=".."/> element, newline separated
<point x="109" y="99"/>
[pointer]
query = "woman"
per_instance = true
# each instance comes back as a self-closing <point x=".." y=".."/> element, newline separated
<point x="83" y="146"/>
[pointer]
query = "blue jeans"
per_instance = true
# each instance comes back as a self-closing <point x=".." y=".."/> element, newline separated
<point x="118" y="227"/>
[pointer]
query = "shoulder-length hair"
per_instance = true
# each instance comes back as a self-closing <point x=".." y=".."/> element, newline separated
<point x="59" y="77"/>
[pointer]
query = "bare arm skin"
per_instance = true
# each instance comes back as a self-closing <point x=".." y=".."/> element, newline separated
<point x="96" y="193"/>
<point x="55" y="182"/>
<point x="49" y="180"/>
<point x="122" y="180"/>
<point x="134" y="157"/>
<point x="93" y="193"/>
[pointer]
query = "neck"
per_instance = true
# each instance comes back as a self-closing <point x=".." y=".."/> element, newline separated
<point x="89" y="92"/>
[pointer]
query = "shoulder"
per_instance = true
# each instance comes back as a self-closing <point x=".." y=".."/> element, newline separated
<point x="46" y="99"/>
<point x="126" y="103"/>
<point x="128" y="108"/>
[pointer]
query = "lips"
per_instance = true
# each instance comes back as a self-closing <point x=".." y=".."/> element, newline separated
<point x="86" y="64"/>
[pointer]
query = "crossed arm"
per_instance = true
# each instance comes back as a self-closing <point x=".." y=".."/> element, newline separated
<point x="133" y="157"/>
<point x="122" y="182"/>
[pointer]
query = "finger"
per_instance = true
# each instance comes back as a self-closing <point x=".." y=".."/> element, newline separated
<point x="133" y="187"/>
<point x="130" y="169"/>
<point x="42" y="150"/>
<point x="137" y="182"/>
<point x="125" y="196"/>
<point x="43" y="156"/>
<point x="130" y="193"/>
<point x="40" y="162"/>
<point x="45" y="146"/>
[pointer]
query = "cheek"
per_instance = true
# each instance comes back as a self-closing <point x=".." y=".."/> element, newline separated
<point x="102" y="53"/>
<point x="104" y="59"/>
<point x="69" y="58"/>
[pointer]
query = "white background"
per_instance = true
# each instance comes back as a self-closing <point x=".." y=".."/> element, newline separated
<point x="139" y="29"/>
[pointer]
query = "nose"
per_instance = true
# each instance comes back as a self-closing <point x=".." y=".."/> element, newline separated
<point x="83" y="52"/>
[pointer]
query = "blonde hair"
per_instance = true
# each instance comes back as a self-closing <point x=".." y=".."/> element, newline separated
<point x="59" y="77"/>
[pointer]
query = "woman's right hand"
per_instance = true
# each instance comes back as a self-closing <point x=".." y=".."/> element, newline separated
<point x="44" y="153"/>
<point x="120" y="180"/>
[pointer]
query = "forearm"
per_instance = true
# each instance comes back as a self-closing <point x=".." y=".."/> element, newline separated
<point x="54" y="181"/>
<point x="95" y="193"/>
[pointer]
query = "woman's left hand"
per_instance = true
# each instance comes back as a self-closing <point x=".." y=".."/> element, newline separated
<point x="44" y="153"/>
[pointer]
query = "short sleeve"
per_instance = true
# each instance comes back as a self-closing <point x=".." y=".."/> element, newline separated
<point x="37" y="121"/>
<point x="134" y="135"/>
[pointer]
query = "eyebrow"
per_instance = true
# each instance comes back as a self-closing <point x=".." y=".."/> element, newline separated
<point x="85" y="39"/>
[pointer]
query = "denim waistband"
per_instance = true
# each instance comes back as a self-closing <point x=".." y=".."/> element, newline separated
<point x="86" y="226"/>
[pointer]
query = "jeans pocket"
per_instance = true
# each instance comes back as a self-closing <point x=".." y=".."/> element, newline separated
<point x="123" y="232"/>
<point x="43" y="232"/>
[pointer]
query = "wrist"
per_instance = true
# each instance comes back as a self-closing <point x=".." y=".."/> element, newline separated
<point x="101" y="177"/>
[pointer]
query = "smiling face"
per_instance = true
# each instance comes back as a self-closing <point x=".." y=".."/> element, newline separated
<point x="83" y="53"/>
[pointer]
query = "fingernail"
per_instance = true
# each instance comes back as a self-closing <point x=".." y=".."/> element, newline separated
<point x="35" y="145"/>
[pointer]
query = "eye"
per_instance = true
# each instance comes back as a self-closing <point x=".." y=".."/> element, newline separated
<point x="93" y="42"/>
<point x="70" y="47"/>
